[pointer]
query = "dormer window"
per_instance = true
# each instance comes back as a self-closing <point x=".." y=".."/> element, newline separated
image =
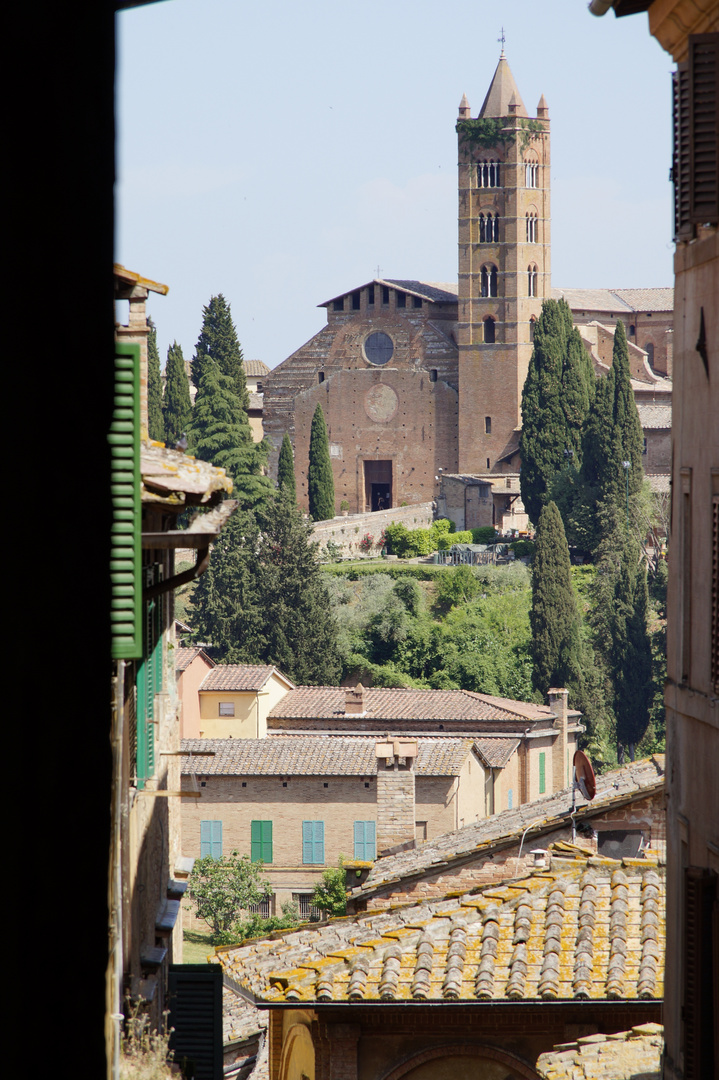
<point x="416" y="301"/>
<point x="401" y="300"/>
<point x="339" y="305"/>
<point x="355" y="301"/>
<point x="385" y="296"/>
<point x="370" y="294"/>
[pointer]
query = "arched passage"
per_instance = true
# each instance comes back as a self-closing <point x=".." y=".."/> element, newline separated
<point x="461" y="1061"/>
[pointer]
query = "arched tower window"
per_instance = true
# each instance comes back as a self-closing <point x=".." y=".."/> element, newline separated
<point x="531" y="173"/>
<point x="531" y="227"/>
<point x="649" y="347"/>
<point x="488" y="173"/>
<point x="532" y="279"/>
<point x="532" y="321"/>
<point x="482" y="229"/>
<point x="488" y="228"/>
<point x="488" y="280"/>
<point x="489" y="331"/>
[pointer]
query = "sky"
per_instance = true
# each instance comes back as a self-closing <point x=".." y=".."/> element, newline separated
<point x="280" y="153"/>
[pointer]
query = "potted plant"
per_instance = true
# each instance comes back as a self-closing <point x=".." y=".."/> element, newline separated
<point x="344" y="508"/>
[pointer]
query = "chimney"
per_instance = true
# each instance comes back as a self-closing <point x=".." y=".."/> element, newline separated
<point x="395" y="793"/>
<point x="561" y="766"/>
<point x="354" y="700"/>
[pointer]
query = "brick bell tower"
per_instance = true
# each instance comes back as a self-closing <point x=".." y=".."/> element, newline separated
<point x="504" y="267"/>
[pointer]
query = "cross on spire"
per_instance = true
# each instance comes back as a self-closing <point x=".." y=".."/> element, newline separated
<point x="502" y="39"/>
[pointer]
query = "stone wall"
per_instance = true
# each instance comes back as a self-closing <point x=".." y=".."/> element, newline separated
<point x="348" y="531"/>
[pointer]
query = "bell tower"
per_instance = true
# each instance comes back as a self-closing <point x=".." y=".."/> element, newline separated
<point x="504" y="266"/>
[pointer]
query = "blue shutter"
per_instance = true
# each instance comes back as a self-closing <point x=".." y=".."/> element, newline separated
<point x="313" y="842"/>
<point x="365" y="840"/>
<point x="307" y="841"/>
<point x="509" y="799"/>
<point x="319" y="841"/>
<point x="216" y="839"/>
<point x="211" y="839"/>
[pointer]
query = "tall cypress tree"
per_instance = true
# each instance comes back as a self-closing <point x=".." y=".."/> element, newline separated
<point x="320" y="482"/>
<point x="634" y="688"/>
<point x="543" y="441"/>
<point x="176" y="406"/>
<point x="286" y="469"/>
<point x="219" y="432"/>
<point x="554" y="616"/>
<point x="155" y="425"/>
<point x="577" y="393"/>
<point x="218" y="342"/>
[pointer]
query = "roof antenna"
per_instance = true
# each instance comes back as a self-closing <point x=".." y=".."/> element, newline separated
<point x="502" y="39"/>
<point x="584" y="781"/>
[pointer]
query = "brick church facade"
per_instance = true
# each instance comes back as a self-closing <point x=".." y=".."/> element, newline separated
<point x="421" y="382"/>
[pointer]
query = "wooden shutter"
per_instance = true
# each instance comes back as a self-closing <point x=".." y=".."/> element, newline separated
<point x="542" y="773"/>
<point x="700" y="948"/>
<point x="125" y="559"/>
<point x="195" y="1000"/>
<point x="261" y="841"/>
<point x="680" y="159"/>
<point x="703" y="120"/>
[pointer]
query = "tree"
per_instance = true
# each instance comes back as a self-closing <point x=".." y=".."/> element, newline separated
<point x="633" y="675"/>
<point x="554" y="616"/>
<point x="176" y="406"/>
<point x="219" y="432"/>
<point x="330" y="895"/>
<point x="222" y="888"/>
<point x="263" y="598"/>
<point x="155" y="425"/>
<point x="320" y="482"/>
<point x="577" y="393"/>
<point x="218" y="342"/>
<point x="286" y="468"/>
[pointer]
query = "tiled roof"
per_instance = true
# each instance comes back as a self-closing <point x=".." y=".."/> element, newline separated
<point x="184" y="655"/>
<point x="169" y="476"/>
<point x="328" y="702"/>
<point x="654" y="416"/>
<point x="638" y="779"/>
<point x="307" y="755"/>
<point x="255" y="368"/>
<point x="624" y="1055"/>
<point x="239" y="677"/>
<point x="437" y="291"/>
<point x="587" y="929"/>
<point x="496" y="752"/>
<point x="661" y="483"/>
<point x="621" y="301"/>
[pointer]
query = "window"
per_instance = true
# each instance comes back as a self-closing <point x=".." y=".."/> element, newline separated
<point x="320" y="376"/>
<point x="313" y="842"/>
<point x="307" y="911"/>
<point x="531" y="174"/>
<point x="488" y="281"/>
<point x="378" y="348"/>
<point x="420" y="831"/>
<point x="532" y="321"/>
<point x="365" y="840"/>
<point x="632" y="330"/>
<point x="263" y="909"/>
<point x="261" y="841"/>
<point x="649" y="348"/>
<point x="227" y="708"/>
<point x="532" y="280"/>
<point x="488" y="173"/>
<point x="531" y="227"/>
<point x="542" y="773"/>
<point x="489" y="331"/>
<point x="694" y="165"/>
<point x="433" y="375"/>
<point x="355" y="301"/>
<point x="644" y="448"/>
<point x="401" y="300"/>
<point x="416" y="301"/>
<point x="488" y="228"/>
<point x="370" y="294"/>
<point x="211" y="839"/>
<point x="488" y="425"/>
<point x="339" y="305"/>
<point x="385" y="295"/>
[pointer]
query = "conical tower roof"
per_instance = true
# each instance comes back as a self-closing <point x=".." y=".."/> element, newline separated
<point x="500" y="93"/>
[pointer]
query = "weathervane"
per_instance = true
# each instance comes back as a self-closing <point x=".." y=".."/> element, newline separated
<point x="502" y="39"/>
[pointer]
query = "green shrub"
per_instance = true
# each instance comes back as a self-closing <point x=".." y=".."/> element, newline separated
<point x="463" y="537"/>
<point x="522" y="548"/>
<point x="486" y="534"/>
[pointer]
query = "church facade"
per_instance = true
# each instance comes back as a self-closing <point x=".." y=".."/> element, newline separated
<point x="421" y="382"/>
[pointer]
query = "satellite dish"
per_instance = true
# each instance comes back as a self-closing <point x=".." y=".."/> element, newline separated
<point x="584" y="775"/>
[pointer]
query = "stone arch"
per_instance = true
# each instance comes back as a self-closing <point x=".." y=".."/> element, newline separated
<point x="503" y="1058"/>
<point x="298" y="1054"/>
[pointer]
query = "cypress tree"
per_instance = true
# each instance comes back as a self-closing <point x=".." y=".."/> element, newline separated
<point x="542" y="441"/>
<point x="264" y="600"/>
<point x="634" y="688"/>
<point x="155" y="425"/>
<point x="218" y="342"/>
<point x="554" y="616"/>
<point x="176" y="406"/>
<point x="577" y="393"/>
<point x="286" y="469"/>
<point x="219" y="432"/>
<point x="320" y="482"/>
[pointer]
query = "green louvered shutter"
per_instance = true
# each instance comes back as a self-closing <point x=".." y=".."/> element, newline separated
<point x="125" y="564"/>
<point x="365" y="840"/>
<point x="542" y="773"/>
<point x="149" y="683"/>
<point x="261" y="841"/>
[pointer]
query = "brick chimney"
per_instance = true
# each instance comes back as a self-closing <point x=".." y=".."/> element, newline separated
<point x="561" y="766"/>
<point x="395" y="793"/>
<point x="354" y="700"/>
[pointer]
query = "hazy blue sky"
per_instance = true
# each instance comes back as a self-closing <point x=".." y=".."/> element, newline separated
<point x="280" y="152"/>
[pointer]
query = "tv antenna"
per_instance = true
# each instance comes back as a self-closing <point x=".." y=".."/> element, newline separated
<point x="584" y="782"/>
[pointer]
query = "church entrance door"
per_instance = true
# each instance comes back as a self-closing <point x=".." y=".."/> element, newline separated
<point x="378" y="485"/>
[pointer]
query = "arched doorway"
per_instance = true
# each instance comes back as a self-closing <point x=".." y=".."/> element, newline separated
<point x="462" y="1061"/>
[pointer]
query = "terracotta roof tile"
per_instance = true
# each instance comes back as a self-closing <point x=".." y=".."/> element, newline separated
<point x="623" y="1055"/>
<point x="328" y="702"/>
<point x="240" y="677"/>
<point x="617" y="300"/>
<point x="184" y="655"/>
<point x="321" y="755"/>
<point x="571" y="933"/>
<point x="255" y="368"/>
<point x="496" y="752"/>
<point x="638" y="779"/>
<point x="655" y="416"/>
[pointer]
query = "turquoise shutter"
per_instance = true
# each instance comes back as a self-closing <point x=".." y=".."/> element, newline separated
<point x="313" y="842"/>
<point x="216" y="839"/>
<point x="307" y="835"/>
<point x="211" y="839"/>
<point x="125" y="557"/>
<point x="267" y="841"/>
<point x="365" y="843"/>
<point x="509" y="799"/>
<point x="319" y="841"/>
<point x="542" y="773"/>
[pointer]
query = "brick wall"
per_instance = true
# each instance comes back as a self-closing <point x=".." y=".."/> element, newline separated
<point x="395" y="806"/>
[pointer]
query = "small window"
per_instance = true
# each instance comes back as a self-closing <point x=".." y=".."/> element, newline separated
<point x="416" y="301"/>
<point x="263" y="909"/>
<point x="378" y="348"/>
<point x="488" y="425"/>
<point x="645" y="445"/>
<point x="401" y="300"/>
<point x="433" y="375"/>
<point x="307" y="912"/>
<point x="313" y="843"/>
<point x="339" y="305"/>
<point x="420" y="831"/>
<point x="227" y="708"/>
<point x="489" y="331"/>
<point x="258" y="388"/>
<point x="649" y="348"/>
<point x="488" y="465"/>
<point x="632" y="330"/>
<point x="532" y="230"/>
<point x="542" y="773"/>
<point x="531" y="174"/>
<point x="531" y="329"/>
<point x="385" y="295"/>
<point x="488" y="281"/>
<point x="620" y="844"/>
<point x="508" y="482"/>
<point x="261" y="841"/>
<point x="365" y="840"/>
<point x="320" y="376"/>
<point x="370" y="294"/>
<point x="211" y="839"/>
<point x="355" y="301"/>
<point x="532" y="280"/>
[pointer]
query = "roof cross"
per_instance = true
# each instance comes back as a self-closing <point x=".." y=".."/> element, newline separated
<point x="502" y="39"/>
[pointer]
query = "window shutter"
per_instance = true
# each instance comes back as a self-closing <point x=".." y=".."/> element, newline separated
<point x="365" y="840"/>
<point x="256" y="841"/>
<point x="267" y="841"/>
<point x="216" y="839"/>
<point x="359" y="839"/>
<point x="125" y="565"/>
<point x="319" y="841"/>
<point x="307" y="841"/>
<point x="680" y="159"/>
<point x="205" y="838"/>
<point x="542" y="773"/>
<point x="313" y="842"/>
<point x="703" y="120"/>
<point x="195" y="1020"/>
<point x="261" y="841"/>
<point x="700" y="946"/>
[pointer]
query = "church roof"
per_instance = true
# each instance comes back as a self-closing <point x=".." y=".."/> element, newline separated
<point x="436" y="291"/>
<point x="617" y="300"/>
<point x="501" y="91"/>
